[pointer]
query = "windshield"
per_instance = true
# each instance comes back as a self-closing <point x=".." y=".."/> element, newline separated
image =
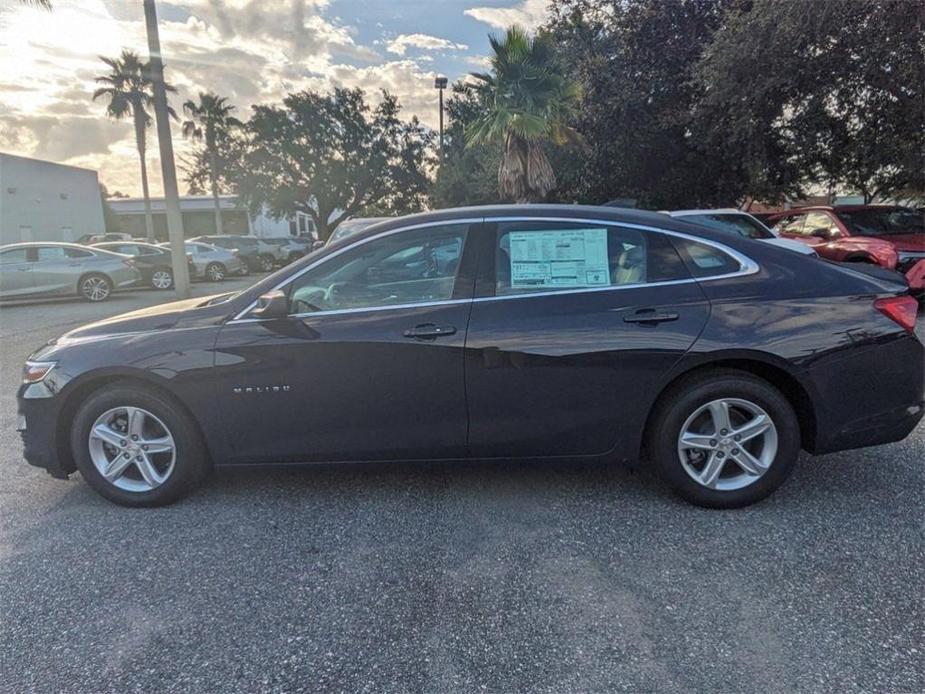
<point x="740" y="224"/>
<point x="875" y="222"/>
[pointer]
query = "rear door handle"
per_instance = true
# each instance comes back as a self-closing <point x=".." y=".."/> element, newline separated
<point x="650" y="316"/>
<point x="430" y="331"/>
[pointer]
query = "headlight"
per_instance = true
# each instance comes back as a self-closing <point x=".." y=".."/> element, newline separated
<point x="36" y="371"/>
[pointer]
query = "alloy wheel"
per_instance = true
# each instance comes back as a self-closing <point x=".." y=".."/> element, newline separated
<point x="95" y="288"/>
<point x="161" y="279"/>
<point x="266" y="264"/>
<point x="216" y="272"/>
<point x="132" y="449"/>
<point x="727" y="444"/>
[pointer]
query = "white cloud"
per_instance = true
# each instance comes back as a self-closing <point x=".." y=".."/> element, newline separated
<point x="527" y="13"/>
<point x="400" y="44"/>
<point x="251" y="51"/>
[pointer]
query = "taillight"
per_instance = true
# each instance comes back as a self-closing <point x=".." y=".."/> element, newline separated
<point x="901" y="309"/>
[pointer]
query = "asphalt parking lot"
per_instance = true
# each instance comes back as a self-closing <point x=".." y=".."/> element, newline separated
<point x="532" y="577"/>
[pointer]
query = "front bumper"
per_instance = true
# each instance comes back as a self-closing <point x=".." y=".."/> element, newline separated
<point x="124" y="279"/>
<point x="37" y="426"/>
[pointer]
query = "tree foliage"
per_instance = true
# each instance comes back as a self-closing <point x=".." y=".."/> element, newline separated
<point x="333" y="156"/>
<point x="838" y="86"/>
<point x="526" y="100"/>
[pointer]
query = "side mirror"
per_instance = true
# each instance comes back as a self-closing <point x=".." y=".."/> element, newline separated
<point x="317" y="244"/>
<point x="272" y="305"/>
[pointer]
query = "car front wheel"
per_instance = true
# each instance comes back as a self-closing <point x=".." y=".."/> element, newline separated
<point x="136" y="447"/>
<point x="724" y="439"/>
<point x="95" y="287"/>
<point x="266" y="263"/>
<point x="215" y="272"/>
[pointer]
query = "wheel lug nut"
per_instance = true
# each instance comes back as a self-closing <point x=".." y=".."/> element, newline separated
<point x="144" y="448"/>
<point x="737" y="437"/>
<point x="128" y="455"/>
<point x="122" y="442"/>
<point x="134" y="437"/>
<point x="735" y="451"/>
<point x="720" y="455"/>
<point x="712" y="442"/>
<point x="723" y="431"/>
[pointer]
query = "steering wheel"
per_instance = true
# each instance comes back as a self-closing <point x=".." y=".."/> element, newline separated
<point x="340" y="292"/>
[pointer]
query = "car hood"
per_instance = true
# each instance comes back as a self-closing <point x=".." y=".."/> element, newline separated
<point x="905" y="242"/>
<point x="160" y="317"/>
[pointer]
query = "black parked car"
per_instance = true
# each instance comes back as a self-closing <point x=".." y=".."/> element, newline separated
<point x="153" y="262"/>
<point x="554" y="332"/>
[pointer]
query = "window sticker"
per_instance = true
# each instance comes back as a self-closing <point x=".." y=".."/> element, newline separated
<point x="560" y="259"/>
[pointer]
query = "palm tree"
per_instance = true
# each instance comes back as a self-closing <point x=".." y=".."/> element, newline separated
<point x="129" y="89"/>
<point x="526" y="99"/>
<point x="211" y="121"/>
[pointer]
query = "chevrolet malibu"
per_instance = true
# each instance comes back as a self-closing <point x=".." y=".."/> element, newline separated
<point x="503" y="332"/>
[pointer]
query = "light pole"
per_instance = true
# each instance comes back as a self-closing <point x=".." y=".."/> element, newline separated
<point x="168" y="167"/>
<point x="440" y="85"/>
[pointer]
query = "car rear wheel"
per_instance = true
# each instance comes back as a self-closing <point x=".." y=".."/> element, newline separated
<point x="266" y="263"/>
<point x="95" y="287"/>
<point x="724" y="439"/>
<point x="136" y="447"/>
<point x="216" y="272"/>
<point x="162" y="278"/>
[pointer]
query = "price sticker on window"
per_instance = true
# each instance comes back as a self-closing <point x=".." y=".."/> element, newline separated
<point x="559" y="259"/>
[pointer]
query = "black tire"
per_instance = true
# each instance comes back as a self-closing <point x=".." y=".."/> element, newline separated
<point x="216" y="272"/>
<point x="162" y="278"/>
<point x="191" y="460"/>
<point x="95" y="287"/>
<point x="684" y="399"/>
<point x="266" y="263"/>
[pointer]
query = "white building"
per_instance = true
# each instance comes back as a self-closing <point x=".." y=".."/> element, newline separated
<point x="43" y="201"/>
<point x="199" y="218"/>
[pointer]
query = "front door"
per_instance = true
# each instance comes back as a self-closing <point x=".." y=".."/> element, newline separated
<point x="571" y="334"/>
<point x="368" y="366"/>
<point x="15" y="273"/>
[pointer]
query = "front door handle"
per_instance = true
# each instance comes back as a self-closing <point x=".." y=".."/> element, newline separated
<point x="650" y="316"/>
<point x="429" y="331"/>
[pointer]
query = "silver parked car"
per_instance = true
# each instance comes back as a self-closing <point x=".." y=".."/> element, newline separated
<point x="63" y="269"/>
<point x="213" y="263"/>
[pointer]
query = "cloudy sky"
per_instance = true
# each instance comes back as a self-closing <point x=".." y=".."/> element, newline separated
<point x="252" y="51"/>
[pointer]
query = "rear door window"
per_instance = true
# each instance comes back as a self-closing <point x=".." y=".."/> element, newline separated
<point x="563" y="256"/>
<point x="705" y="260"/>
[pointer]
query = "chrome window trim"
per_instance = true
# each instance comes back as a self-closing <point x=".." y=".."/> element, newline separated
<point x="746" y="264"/>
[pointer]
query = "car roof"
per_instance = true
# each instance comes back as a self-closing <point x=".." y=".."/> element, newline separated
<point x="719" y="210"/>
<point x="35" y="244"/>
<point x="551" y="211"/>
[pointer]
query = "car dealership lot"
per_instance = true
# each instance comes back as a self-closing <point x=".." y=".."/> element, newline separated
<point x="497" y="577"/>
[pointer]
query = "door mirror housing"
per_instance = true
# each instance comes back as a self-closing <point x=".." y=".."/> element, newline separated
<point x="272" y="306"/>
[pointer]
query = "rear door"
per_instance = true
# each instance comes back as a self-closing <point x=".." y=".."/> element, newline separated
<point x="572" y="330"/>
<point x="55" y="271"/>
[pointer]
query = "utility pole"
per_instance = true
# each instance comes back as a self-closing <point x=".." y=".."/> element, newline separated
<point x="440" y="84"/>
<point x="168" y="168"/>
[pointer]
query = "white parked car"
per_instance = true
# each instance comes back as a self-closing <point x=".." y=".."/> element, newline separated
<point x="741" y="223"/>
<point x="213" y="263"/>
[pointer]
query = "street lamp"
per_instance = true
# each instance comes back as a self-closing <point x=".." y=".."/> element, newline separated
<point x="440" y="85"/>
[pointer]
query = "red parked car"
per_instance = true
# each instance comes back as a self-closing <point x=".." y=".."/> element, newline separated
<point x="890" y="236"/>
